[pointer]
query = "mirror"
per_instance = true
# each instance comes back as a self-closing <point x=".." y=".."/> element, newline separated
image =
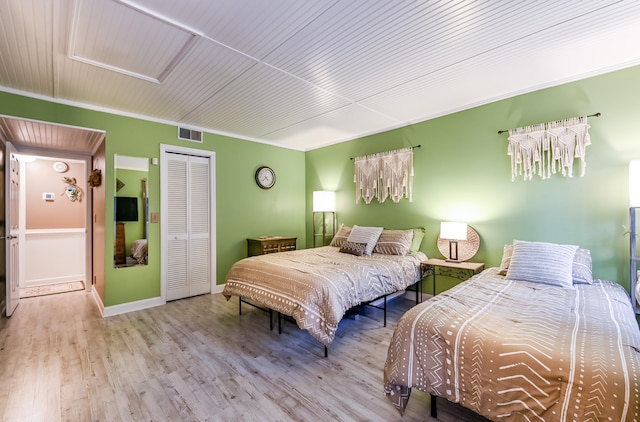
<point x="130" y="211"/>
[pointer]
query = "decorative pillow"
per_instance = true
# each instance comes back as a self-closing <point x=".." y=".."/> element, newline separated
<point x="507" y="251"/>
<point x="582" y="271"/>
<point x="394" y="242"/>
<point x="418" y="235"/>
<point x="541" y="262"/>
<point x="582" y="267"/>
<point x="368" y="235"/>
<point x="341" y="236"/>
<point x="354" y="248"/>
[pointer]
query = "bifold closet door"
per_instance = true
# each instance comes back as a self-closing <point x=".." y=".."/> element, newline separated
<point x="188" y="226"/>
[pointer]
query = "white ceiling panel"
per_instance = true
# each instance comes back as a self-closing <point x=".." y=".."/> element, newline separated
<point x="342" y="124"/>
<point x="263" y="100"/>
<point x="526" y="68"/>
<point x="306" y="74"/>
<point x="34" y="136"/>
<point x="142" y="45"/>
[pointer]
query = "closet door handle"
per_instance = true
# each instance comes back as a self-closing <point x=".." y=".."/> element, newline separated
<point x="8" y="237"/>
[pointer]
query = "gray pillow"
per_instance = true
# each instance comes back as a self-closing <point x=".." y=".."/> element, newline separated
<point x="541" y="262"/>
<point x="582" y="270"/>
<point x="394" y="242"/>
<point x="368" y="235"/>
<point x="341" y="236"/>
<point x="582" y="267"/>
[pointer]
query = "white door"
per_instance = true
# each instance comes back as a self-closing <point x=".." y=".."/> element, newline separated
<point x="187" y="206"/>
<point x="12" y="190"/>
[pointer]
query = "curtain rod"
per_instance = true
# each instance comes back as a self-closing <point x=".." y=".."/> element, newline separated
<point x="417" y="146"/>
<point x="500" y="132"/>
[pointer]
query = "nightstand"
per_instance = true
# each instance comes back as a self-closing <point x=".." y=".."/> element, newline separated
<point x="270" y="244"/>
<point x="459" y="270"/>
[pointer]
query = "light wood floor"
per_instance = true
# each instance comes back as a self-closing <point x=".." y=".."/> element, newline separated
<point x="194" y="360"/>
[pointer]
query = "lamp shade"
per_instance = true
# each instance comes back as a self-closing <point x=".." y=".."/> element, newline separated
<point x="634" y="183"/>
<point x="453" y="231"/>
<point x="324" y="201"/>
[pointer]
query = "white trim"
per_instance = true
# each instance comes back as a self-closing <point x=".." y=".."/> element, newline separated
<point x="218" y="288"/>
<point x="98" y="300"/>
<point x="138" y="305"/>
<point x="55" y="231"/>
<point x="211" y="155"/>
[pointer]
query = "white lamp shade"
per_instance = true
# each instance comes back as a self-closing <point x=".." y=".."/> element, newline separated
<point x="453" y="231"/>
<point x="634" y="183"/>
<point x="324" y="201"/>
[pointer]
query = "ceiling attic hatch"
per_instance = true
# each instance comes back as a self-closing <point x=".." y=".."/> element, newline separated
<point x="189" y="134"/>
<point x="146" y="45"/>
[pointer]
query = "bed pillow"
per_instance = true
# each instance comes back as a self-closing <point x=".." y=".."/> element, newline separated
<point x="341" y="236"/>
<point x="354" y="248"/>
<point x="368" y="235"/>
<point x="541" y="262"/>
<point x="582" y="272"/>
<point x="418" y="235"/>
<point x="507" y="251"/>
<point x="394" y="242"/>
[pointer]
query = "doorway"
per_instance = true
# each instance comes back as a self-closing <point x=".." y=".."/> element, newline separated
<point x="53" y="225"/>
<point x="66" y="144"/>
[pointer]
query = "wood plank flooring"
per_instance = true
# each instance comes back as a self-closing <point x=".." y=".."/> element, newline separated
<point x="194" y="359"/>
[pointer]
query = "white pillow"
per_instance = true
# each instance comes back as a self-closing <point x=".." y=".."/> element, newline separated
<point x="368" y="235"/>
<point x="541" y="262"/>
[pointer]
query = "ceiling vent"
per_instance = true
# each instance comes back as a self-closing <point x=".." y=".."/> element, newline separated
<point x="189" y="134"/>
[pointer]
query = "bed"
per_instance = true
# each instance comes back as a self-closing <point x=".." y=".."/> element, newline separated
<point x="514" y="344"/>
<point x="316" y="287"/>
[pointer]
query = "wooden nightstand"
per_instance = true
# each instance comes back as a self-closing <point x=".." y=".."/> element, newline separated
<point x="459" y="270"/>
<point x="270" y="244"/>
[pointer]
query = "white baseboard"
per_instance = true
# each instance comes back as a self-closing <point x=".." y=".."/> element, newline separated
<point x="98" y="300"/>
<point x="132" y="306"/>
<point x="53" y="280"/>
<point x="217" y="288"/>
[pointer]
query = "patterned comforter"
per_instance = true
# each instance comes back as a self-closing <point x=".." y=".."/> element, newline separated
<point x="317" y="286"/>
<point x="514" y="350"/>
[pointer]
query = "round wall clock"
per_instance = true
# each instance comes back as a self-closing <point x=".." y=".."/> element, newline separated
<point x="265" y="177"/>
<point x="60" y="166"/>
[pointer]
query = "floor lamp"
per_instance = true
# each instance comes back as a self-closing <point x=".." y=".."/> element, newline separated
<point x="324" y="208"/>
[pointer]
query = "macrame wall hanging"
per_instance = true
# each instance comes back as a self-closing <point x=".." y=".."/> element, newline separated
<point x="549" y="148"/>
<point x="384" y="175"/>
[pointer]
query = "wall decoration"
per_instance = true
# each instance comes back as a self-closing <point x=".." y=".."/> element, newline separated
<point x="549" y="148"/>
<point x="60" y="166"/>
<point x="119" y="184"/>
<point x="95" y="178"/>
<point x="73" y="192"/>
<point x="384" y="175"/>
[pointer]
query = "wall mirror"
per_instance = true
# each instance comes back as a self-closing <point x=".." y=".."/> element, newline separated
<point x="130" y="211"/>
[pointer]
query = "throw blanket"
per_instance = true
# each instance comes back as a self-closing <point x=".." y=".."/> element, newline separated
<point x="317" y="286"/>
<point x="514" y="350"/>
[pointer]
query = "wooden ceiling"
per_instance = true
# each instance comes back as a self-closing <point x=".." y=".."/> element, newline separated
<point x="305" y="74"/>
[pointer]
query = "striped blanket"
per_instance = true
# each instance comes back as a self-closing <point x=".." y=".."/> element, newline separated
<point x="514" y="350"/>
<point x="317" y="286"/>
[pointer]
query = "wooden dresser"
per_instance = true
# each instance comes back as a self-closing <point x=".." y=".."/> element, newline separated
<point x="119" y="246"/>
<point x="270" y="244"/>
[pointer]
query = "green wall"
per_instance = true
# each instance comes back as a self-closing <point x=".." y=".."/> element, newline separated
<point x="463" y="173"/>
<point x="242" y="208"/>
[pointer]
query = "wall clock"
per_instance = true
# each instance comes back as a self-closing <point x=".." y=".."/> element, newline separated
<point x="60" y="166"/>
<point x="265" y="177"/>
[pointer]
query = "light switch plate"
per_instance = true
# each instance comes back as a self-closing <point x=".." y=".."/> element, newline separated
<point x="48" y="196"/>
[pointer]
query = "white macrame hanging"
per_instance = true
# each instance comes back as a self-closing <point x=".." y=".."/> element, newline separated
<point x="547" y="148"/>
<point x="384" y="175"/>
